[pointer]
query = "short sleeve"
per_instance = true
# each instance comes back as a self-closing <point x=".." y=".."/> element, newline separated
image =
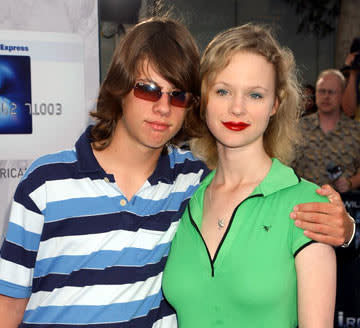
<point x="19" y="249"/>
<point x="306" y="192"/>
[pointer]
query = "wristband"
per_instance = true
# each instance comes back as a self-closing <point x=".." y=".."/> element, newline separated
<point x="346" y="244"/>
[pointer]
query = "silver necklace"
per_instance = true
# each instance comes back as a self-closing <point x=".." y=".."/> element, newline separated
<point x="220" y="222"/>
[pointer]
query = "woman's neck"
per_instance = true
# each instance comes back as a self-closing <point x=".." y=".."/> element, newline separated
<point x="241" y="166"/>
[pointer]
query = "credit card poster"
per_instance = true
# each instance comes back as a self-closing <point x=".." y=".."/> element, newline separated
<point x="42" y="105"/>
<point x="15" y="95"/>
<point x="42" y="102"/>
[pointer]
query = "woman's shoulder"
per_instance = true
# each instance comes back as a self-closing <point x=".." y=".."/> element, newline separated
<point x="305" y="191"/>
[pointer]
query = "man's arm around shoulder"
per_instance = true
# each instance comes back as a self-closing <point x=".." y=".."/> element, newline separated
<point x="11" y="311"/>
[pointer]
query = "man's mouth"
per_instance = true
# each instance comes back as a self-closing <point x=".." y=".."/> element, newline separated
<point x="158" y="126"/>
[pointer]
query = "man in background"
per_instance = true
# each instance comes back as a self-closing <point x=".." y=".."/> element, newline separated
<point x="331" y="147"/>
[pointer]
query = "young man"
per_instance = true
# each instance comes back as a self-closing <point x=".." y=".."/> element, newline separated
<point x="90" y="228"/>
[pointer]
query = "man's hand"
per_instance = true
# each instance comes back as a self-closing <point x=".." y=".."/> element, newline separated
<point x="327" y="223"/>
<point x="350" y="58"/>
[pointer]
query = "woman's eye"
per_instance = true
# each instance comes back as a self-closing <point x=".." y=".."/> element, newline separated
<point x="255" y="95"/>
<point x="222" y="92"/>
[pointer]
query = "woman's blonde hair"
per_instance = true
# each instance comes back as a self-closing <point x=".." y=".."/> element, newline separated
<point x="282" y="132"/>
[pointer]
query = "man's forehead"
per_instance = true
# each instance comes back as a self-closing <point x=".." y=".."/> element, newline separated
<point x="146" y="68"/>
<point x="147" y="71"/>
<point x="330" y="80"/>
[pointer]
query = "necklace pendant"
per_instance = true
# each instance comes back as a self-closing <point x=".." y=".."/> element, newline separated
<point x="221" y="223"/>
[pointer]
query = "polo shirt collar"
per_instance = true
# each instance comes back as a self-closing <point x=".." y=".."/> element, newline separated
<point x="86" y="159"/>
<point x="279" y="177"/>
<point x="163" y="171"/>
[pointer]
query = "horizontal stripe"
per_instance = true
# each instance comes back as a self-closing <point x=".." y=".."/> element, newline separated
<point x="59" y="190"/>
<point x="166" y="173"/>
<point x="81" y="207"/>
<point x="104" y="205"/>
<point x="13" y="290"/>
<point x="33" y="185"/>
<point x="92" y="314"/>
<point x="168" y="321"/>
<point x="184" y="184"/>
<point x="115" y="221"/>
<point x="16" y="276"/>
<point x="66" y="264"/>
<point x="21" y="197"/>
<point x="109" y="276"/>
<point x="58" y="171"/>
<point x="18" y="255"/>
<point x="30" y="221"/>
<point x="163" y="317"/>
<point x="66" y="156"/>
<point x="173" y="201"/>
<point x="39" y="197"/>
<point x="180" y="156"/>
<point x="116" y="241"/>
<point x="17" y="235"/>
<point x="97" y="295"/>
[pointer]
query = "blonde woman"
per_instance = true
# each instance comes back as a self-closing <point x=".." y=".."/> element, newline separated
<point x="236" y="260"/>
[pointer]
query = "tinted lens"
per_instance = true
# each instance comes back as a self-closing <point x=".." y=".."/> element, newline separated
<point x="179" y="98"/>
<point x="153" y="93"/>
<point x="147" y="92"/>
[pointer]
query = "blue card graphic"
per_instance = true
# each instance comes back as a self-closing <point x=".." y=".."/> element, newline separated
<point x="15" y="95"/>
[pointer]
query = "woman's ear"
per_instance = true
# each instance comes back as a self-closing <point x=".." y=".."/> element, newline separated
<point x="275" y="106"/>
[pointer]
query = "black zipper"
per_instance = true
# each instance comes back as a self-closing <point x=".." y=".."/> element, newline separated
<point x="212" y="261"/>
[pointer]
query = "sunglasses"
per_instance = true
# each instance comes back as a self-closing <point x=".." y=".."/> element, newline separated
<point x="152" y="92"/>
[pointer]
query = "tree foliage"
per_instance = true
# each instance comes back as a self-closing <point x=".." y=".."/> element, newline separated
<point x="317" y="17"/>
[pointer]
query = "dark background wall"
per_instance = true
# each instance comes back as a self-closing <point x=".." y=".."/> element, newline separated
<point x="205" y="18"/>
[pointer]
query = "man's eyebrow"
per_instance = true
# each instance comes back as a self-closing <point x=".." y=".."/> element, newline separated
<point x="146" y="80"/>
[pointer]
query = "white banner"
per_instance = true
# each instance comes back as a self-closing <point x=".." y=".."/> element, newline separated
<point x="49" y="80"/>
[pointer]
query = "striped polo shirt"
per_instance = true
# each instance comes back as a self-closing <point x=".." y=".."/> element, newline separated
<point x="82" y="252"/>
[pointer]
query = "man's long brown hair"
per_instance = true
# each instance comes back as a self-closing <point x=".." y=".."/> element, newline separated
<point x="169" y="48"/>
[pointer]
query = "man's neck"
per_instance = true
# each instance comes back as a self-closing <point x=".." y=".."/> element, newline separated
<point x="133" y="157"/>
<point x="328" y="120"/>
<point x="131" y="166"/>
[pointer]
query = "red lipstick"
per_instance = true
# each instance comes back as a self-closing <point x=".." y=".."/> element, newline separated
<point x="236" y="126"/>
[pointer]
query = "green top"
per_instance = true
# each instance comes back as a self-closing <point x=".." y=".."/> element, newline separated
<point x="252" y="280"/>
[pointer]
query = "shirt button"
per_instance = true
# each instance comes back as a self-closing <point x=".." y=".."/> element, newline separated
<point x="106" y="179"/>
<point x="123" y="202"/>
